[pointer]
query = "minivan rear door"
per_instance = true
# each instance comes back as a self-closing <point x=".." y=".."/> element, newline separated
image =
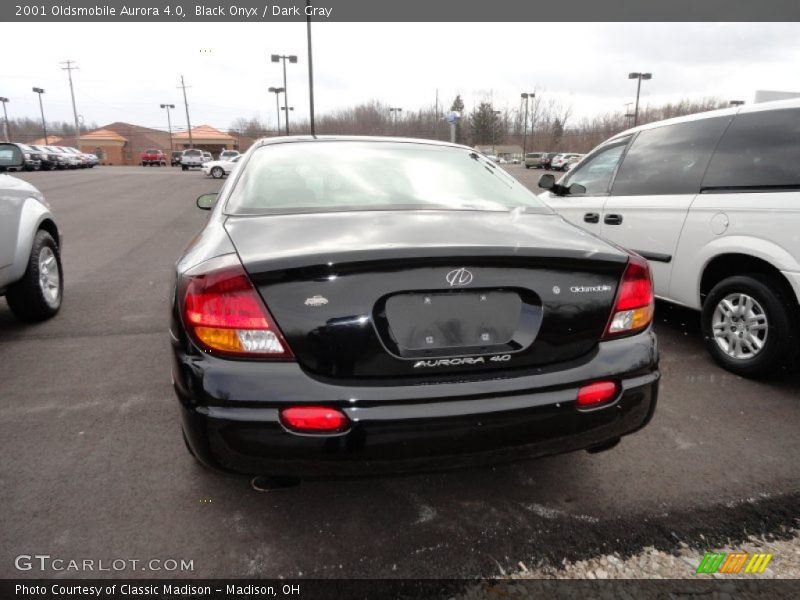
<point x="655" y="185"/>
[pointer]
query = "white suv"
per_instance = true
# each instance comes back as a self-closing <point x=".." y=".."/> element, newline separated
<point x="712" y="200"/>
<point x="192" y="158"/>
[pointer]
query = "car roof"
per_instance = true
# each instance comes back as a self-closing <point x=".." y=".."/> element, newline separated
<point x="710" y="114"/>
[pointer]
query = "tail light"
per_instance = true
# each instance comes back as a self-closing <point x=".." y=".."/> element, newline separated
<point x="314" y="419"/>
<point x="225" y="314"/>
<point x="633" y="308"/>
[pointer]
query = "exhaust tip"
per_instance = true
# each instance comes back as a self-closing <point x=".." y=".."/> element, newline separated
<point x="266" y="483"/>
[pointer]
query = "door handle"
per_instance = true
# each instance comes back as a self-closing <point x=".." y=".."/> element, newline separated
<point x="592" y="217"/>
<point x="613" y="219"/>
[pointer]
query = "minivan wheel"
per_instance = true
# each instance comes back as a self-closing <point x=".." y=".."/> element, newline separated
<point x="37" y="296"/>
<point x="747" y="324"/>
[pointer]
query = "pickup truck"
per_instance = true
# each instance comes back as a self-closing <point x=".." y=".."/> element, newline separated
<point x="192" y="158"/>
<point x="153" y="157"/>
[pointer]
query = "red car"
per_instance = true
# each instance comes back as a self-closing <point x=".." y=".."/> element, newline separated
<point x="153" y="157"/>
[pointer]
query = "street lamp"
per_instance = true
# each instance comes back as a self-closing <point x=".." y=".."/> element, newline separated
<point x="736" y="102"/>
<point x="40" y="91"/>
<point x="638" y="77"/>
<point x="494" y="114"/>
<point x="6" y="128"/>
<point x="169" y="124"/>
<point x="276" y="91"/>
<point x="526" y="96"/>
<point x="394" y="111"/>
<point x="292" y="59"/>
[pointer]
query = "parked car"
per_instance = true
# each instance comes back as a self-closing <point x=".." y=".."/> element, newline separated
<point x="152" y="156"/>
<point x="560" y="161"/>
<point x="71" y="160"/>
<point x="175" y="158"/>
<point x="712" y="201"/>
<point x="573" y="160"/>
<point x="49" y="158"/>
<point x="85" y="159"/>
<point x="191" y="158"/>
<point x="228" y="154"/>
<point x="30" y="253"/>
<point x="207" y="157"/>
<point x="535" y="160"/>
<point x="547" y="159"/>
<point x="220" y="168"/>
<point x="306" y="344"/>
<point x="32" y="158"/>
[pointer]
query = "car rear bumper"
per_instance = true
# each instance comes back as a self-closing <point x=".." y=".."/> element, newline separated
<point x="231" y="416"/>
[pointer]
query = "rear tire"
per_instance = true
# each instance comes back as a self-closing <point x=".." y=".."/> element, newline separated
<point x="184" y="168"/>
<point x="748" y="324"/>
<point x="38" y="295"/>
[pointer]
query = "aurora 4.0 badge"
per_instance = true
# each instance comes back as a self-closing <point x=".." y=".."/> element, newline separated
<point x="462" y="361"/>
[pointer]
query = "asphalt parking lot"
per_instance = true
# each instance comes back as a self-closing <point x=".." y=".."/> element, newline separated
<point x="94" y="466"/>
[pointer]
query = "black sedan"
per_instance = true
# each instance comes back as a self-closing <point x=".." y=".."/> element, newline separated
<point x="369" y="305"/>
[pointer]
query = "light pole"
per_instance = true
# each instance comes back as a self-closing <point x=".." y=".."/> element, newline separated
<point x="638" y="77"/>
<point x="6" y="127"/>
<point x="736" y="102"/>
<point x="292" y="59"/>
<point x="526" y="96"/>
<point x="169" y="124"/>
<point x="277" y="91"/>
<point x="40" y="91"/>
<point x="393" y="112"/>
<point x="494" y="124"/>
<point x="310" y="70"/>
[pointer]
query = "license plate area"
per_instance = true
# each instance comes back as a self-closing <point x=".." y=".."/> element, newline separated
<point x="458" y="323"/>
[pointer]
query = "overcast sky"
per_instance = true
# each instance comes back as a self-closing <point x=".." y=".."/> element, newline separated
<point x="127" y="70"/>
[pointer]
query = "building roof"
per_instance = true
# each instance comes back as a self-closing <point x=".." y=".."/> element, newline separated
<point x="139" y="137"/>
<point x="103" y="135"/>
<point x="205" y="133"/>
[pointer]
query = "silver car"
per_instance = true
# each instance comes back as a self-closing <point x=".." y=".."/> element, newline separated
<point x="30" y="243"/>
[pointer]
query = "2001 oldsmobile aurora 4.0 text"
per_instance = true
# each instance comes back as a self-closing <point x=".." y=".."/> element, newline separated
<point x="361" y="305"/>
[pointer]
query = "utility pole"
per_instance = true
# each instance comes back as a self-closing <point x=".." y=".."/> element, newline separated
<point x="183" y="86"/>
<point x="394" y="111"/>
<point x="310" y="70"/>
<point x="494" y="126"/>
<point x="277" y="91"/>
<point x="292" y="59"/>
<point x="638" y="77"/>
<point x="526" y="96"/>
<point x="169" y="124"/>
<point x="6" y="126"/>
<point x="69" y="68"/>
<point x="40" y="91"/>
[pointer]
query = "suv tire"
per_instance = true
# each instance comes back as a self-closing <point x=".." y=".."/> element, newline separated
<point x="34" y="297"/>
<point x="752" y="316"/>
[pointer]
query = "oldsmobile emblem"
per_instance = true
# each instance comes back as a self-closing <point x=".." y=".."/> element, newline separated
<point x="459" y="277"/>
<point x="316" y="300"/>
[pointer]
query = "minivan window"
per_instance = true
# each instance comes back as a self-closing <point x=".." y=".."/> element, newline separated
<point x="759" y="150"/>
<point x="669" y="159"/>
<point x="596" y="170"/>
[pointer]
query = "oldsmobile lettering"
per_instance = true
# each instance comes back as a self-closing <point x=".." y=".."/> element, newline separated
<point x="585" y="289"/>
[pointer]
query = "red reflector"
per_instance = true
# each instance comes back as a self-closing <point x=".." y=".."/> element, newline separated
<point x="596" y="393"/>
<point x="314" y="419"/>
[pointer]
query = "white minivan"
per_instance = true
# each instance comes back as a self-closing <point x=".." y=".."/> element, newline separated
<point x="712" y="200"/>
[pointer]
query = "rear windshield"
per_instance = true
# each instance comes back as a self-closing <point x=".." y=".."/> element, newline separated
<point x="192" y="153"/>
<point x="533" y="155"/>
<point x="340" y="176"/>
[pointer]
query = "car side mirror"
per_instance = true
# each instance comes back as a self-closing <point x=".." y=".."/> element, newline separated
<point x="207" y="201"/>
<point x="547" y="181"/>
<point x="576" y="188"/>
<point x="10" y="156"/>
